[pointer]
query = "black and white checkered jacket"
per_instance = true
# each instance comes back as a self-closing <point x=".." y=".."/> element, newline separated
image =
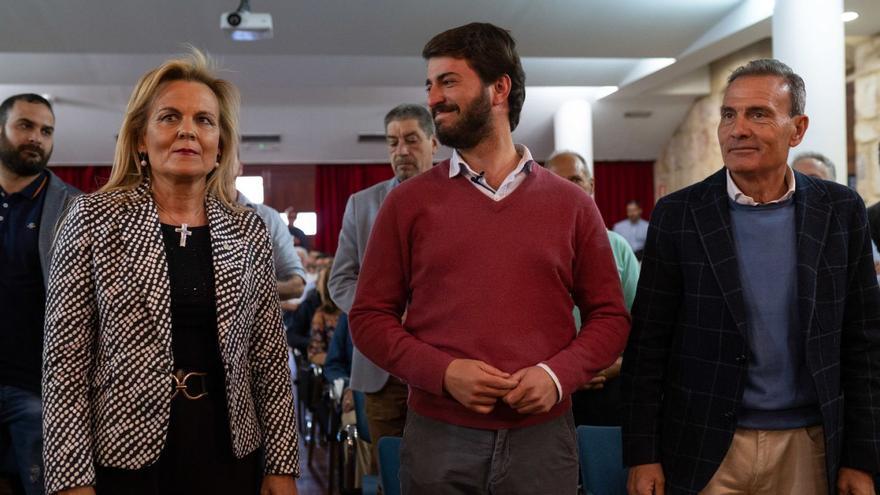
<point x="107" y="361"/>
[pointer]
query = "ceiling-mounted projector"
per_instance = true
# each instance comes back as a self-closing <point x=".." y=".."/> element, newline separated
<point x="244" y="25"/>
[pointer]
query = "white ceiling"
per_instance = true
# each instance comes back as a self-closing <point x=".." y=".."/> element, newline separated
<point x="334" y="67"/>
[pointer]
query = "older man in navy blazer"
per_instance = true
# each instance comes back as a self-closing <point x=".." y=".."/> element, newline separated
<point x="753" y="365"/>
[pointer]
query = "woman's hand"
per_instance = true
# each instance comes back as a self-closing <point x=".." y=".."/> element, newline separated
<point x="80" y="490"/>
<point x="278" y="484"/>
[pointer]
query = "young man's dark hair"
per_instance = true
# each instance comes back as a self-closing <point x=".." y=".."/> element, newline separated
<point x="491" y="52"/>
<point x="8" y="103"/>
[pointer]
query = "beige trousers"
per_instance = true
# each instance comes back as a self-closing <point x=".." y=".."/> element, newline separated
<point x="772" y="462"/>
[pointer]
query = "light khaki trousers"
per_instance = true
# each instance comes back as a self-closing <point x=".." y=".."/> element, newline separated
<point x="772" y="462"/>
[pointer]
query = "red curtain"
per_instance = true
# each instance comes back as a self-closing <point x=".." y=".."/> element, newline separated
<point x="619" y="182"/>
<point x="333" y="185"/>
<point x="85" y="178"/>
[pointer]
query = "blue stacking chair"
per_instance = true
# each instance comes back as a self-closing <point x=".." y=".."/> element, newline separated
<point x="600" y="449"/>
<point x="389" y="464"/>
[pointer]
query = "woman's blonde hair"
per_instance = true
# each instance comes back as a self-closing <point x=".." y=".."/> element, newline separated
<point x="127" y="173"/>
<point x="323" y="288"/>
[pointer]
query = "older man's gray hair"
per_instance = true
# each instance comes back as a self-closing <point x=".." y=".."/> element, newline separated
<point x="772" y="67"/>
<point x="819" y="157"/>
<point x="408" y="111"/>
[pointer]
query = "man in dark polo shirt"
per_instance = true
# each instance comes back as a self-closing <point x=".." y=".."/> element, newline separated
<point x="31" y="201"/>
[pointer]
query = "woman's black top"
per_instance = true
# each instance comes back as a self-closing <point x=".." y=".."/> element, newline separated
<point x="197" y="457"/>
<point x="193" y="305"/>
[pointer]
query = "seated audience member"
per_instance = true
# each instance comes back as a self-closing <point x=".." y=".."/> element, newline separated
<point x="323" y="321"/>
<point x="292" y="304"/>
<point x="300" y="239"/>
<point x="302" y="252"/>
<point x="298" y="322"/>
<point x="311" y="265"/>
<point x="339" y="352"/>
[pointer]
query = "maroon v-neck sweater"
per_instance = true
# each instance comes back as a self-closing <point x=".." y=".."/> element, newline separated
<point x="487" y="280"/>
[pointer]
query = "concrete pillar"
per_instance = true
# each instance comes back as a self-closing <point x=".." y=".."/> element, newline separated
<point x="573" y="129"/>
<point x="808" y="37"/>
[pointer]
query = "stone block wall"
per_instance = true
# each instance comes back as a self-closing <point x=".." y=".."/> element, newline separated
<point x="866" y="79"/>
<point x="692" y="153"/>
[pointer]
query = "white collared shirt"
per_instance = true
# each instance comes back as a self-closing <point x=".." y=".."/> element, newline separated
<point x="741" y="198"/>
<point x="458" y="166"/>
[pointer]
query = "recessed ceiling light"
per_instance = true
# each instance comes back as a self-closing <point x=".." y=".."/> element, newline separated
<point x="849" y="16"/>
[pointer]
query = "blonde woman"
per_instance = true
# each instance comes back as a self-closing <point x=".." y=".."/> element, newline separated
<point x="165" y="364"/>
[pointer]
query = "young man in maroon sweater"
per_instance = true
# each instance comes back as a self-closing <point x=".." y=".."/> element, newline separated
<point x="486" y="254"/>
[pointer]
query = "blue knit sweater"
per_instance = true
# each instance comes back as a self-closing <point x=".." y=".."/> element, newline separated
<point x="779" y="392"/>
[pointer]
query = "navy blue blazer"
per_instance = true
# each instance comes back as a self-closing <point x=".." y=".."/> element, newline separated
<point x="685" y="365"/>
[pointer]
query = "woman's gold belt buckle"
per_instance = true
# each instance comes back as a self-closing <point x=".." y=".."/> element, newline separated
<point x="181" y="384"/>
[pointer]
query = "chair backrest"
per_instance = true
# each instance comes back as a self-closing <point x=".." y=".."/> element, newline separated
<point x="389" y="464"/>
<point x="360" y="412"/>
<point x="600" y="449"/>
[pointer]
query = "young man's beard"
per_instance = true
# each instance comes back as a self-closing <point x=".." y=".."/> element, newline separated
<point x="11" y="158"/>
<point x="473" y="126"/>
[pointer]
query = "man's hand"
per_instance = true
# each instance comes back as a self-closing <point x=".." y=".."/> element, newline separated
<point x="278" y="484"/>
<point x="613" y="371"/>
<point x="476" y="385"/>
<point x="645" y="479"/>
<point x="291" y="288"/>
<point x="535" y="394"/>
<point x="854" y="482"/>
<point x="598" y="381"/>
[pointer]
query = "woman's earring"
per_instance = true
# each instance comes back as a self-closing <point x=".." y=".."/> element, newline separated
<point x="143" y="158"/>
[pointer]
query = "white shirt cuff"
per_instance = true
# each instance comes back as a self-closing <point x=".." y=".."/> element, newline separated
<point x="550" y="372"/>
